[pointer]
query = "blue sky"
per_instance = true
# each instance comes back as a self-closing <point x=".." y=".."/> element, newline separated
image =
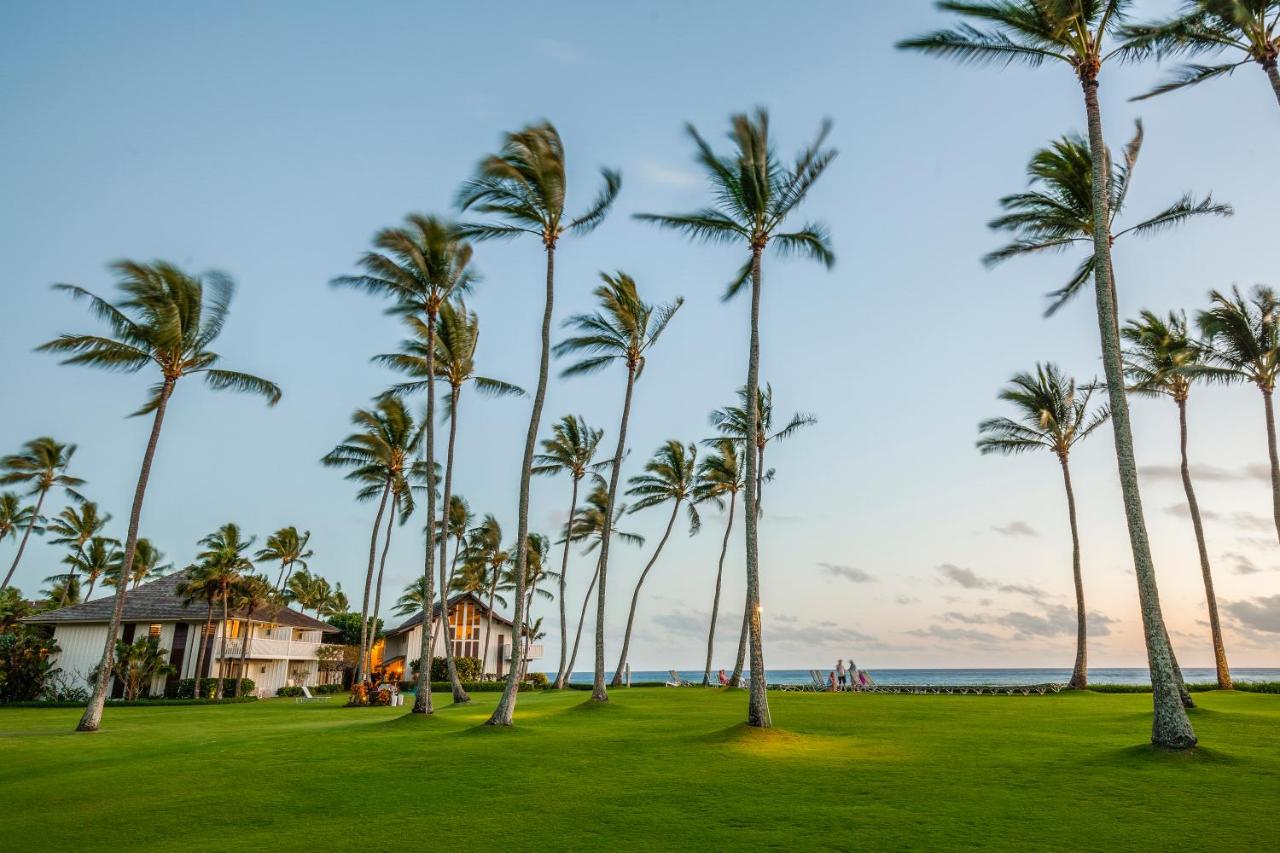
<point x="272" y="140"/>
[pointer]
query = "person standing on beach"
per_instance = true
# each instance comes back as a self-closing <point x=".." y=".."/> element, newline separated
<point x="840" y="673"/>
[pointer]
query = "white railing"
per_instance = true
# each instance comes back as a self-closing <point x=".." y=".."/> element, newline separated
<point x="533" y="652"/>
<point x="264" y="647"/>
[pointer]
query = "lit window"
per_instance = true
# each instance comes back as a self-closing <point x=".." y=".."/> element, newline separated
<point x="155" y="631"/>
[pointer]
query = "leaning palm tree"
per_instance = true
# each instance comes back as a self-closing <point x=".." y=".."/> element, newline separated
<point x="1077" y="33"/>
<point x="98" y="559"/>
<point x="251" y="593"/>
<point x="754" y="194"/>
<point x="41" y="467"/>
<point x="224" y="562"/>
<point x="570" y="450"/>
<point x="670" y="476"/>
<point x="75" y="526"/>
<point x="524" y="185"/>
<point x="380" y="457"/>
<point x="15" y="516"/>
<point x="1056" y="212"/>
<point x="402" y="507"/>
<point x="536" y="575"/>
<point x="1054" y="415"/>
<point x="288" y="548"/>
<point x="1243" y="337"/>
<point x="622" y="331"/>
<point x="421" y="266"/>
<point x="1247" y="30"/>
<point x="167" y="320"/>
<point x="1162" y="361"/>
<point x="719" y="474"/>
<point x="485" y="549"/>
<point x="147" y="559"/>
<point x="411" y="600"/>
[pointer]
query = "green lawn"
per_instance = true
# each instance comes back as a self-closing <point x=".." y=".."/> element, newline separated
<point x="656" y="768"/>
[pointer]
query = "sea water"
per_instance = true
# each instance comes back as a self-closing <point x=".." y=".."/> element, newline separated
<point x="1098" y="675"/>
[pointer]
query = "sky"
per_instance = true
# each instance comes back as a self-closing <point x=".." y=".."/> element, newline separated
<point x="271" y="141"/>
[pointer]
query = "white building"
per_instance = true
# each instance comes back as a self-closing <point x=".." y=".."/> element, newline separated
<point x="469" y="622"/>
<point x="282" y="647"/>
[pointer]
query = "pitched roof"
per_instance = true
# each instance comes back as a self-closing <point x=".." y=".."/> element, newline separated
<point x="416" y="619"/>
<point x="159" y="601"/>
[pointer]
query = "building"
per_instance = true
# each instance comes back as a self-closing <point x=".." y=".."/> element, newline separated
<point x="283" y="647"/>
<point x="469" y="621"/>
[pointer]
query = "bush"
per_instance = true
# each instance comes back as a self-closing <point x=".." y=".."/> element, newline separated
<point x="539" y="679"/>
<point x="24" y="665"/>
<point x="136" y="703"/>
<point x="184" y="688"/>
<point x="1242" y="686"/>
<point x="289" y="690"/>
<point x="316" y="689"/>
<point x="468" y="669"/>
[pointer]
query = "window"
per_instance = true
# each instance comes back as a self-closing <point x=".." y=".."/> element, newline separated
<point x="154" y="631"/>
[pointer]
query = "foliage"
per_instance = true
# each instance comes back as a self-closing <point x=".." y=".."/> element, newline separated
<point x="348" y="625"/>
<point x="468" y="668"/>
<point x="25" y="668"/>
<point x="184" y="688"/>
<point x="136" y="664"/>
<point x="1053" y="414"/>
<point x="537" y="679"/>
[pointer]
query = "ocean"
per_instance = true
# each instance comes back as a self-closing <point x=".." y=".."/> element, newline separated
<point x="1100" y="675"/>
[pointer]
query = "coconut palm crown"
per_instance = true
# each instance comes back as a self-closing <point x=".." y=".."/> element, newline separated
<point x="1053" y="414"/>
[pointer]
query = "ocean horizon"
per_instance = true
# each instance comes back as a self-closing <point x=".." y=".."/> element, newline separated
<point x="945" y="676"/>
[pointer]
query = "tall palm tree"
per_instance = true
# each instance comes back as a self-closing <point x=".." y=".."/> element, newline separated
<point x="307" y="590"/>
<point x="570" y="450"/>
<point x="98" y="559"/>
<point x="460" y="520"/>
<point x="1247" y="30"/>
<point x="456" y="336"/>
<point x="75" y="526"/>
<point x="1054" y="415"/>
<point x="1243" y="337"/>
<point x="524" y="187"/>
<point x="1078" y="34"/>
<point x="1056" y="212"/>
<point x="719" y="474"/>
<point x="402" y="506"/>
<point x="200" y="583"/>
<point x="225" y="561"/>
<point x="380" y="457"/>
<point x="410" y="601"/>
<point x="670" y="476"/>
<point x="289" y="548"/>
<point x="250" y="593"/>
<point x="623" y="330"/>
<point x="485" y="550"/>
<point x="1161" y="361"/>
<point x="15" y="516"/>
<point x="168" y="319"/>
<point x="41" y="467"/>
<point x="536" y="574"/>
<point x="754" y="194"/>
<point x="421" y="266"/>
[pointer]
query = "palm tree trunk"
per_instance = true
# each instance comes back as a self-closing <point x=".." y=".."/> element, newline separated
<point x="504" y="714"/>
<point x="758" y="703"/>
<point x="1170" y="726"/>
<point x="1274" y="76"/>
<point x="740" y="660"/>
<point x="377" y="589"/>
<point x="1275" y="459"/>
<point x="460" y="696"/>
<point x="453" y="564"/>
<point x="244" y="647"/>
<point x="488" y="623"/>
<point x="1080" y="674"/>
<point x="422" y="696"/>
<point x="222" y="649"/>
<point x="361" y="671"/>
<point x="598" y="691"/>
<point x="635" y="595"/>
<point x="715" y="602"/>
<point x="564" y="568"/>
<point x="92" y="717"/>
<point x="1215" y="627"/>
<point x="280" y="579"/>
<point x="71" y="575"/>
<point x="92" y="583"/>
<point x="582" y="618"/>
<point x="22" y="545"/>
<point x="204" y="635"/>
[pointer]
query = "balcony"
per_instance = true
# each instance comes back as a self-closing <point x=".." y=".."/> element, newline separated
<point x="266" y="647"/>
<point x="533" y="652"/>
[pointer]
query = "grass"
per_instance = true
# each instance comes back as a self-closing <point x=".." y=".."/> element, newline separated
<point x="656" y="769"/>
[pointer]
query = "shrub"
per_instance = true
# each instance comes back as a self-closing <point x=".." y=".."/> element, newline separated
<point x="539" y="679"/>
<point x="289" y="690"/>
<point x="1242" y="686"/>
<point x="184" y="688"/>
<point x="468" y="669"/>
<point x="24" y="665"/>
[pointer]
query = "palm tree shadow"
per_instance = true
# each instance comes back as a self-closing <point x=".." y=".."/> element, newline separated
<point x="1147" y="753"/>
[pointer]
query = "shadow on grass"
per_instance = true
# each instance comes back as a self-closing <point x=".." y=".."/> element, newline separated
<point x="1150" y="754"/>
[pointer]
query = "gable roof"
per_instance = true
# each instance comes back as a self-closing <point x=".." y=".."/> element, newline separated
<point x="159" y="601"/>
<point x="416" y="619"/>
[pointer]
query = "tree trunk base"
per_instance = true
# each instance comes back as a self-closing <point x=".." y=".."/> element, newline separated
<point x="460" y="697"/>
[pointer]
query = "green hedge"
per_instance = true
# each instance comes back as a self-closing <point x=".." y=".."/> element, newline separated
<point x="316" y="690"/>
<point x="136" y="703"/>
<point x="1242" y="686"/>
<point x="184" y="688"/>
<point x="588" y="685"/>
<point x="469" y="686"/>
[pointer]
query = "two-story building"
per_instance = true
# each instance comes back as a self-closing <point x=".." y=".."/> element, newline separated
<point x="472" y="625"/>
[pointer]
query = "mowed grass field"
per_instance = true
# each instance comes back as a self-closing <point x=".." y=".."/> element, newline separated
<point x="656" y="768"/>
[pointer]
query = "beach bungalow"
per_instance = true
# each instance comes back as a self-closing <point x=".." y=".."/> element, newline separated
<point x="283" y="647"/>
<point x="469" y="620"/>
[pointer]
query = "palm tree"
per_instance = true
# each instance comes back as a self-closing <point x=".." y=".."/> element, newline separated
<point x="290" y="549"/>
<point x="13" y="515"/>
<point x="460" y="521"/>
<point x="402" y="506"/>
<point x="1053" y="415"/>
<point x="1243" y="338"/>
<point x="168" y="319"/>
<point x="224" y="562"/>
<point x="524" y="186"/>
<point x="380" y="457"/>
<point x="719" y="474"/>
<point x="421" y="266"/>
<point x="485" y="549"/>
<point x="146" y="563"/>
<point x="250" y="593"/>
<point x="1056" y="212"/>
<point x="200" y="583"/>
<point x="41" y="466"/>
<point x="334" y="600"/>
<point x="536" y="574"/>
<point x="570" y="450"/>
<point x="98" y="559"/>
<point x="1162" y="361"/>
<point x="412" y="599"/>
<point x="1077" y="33"/>
<point x="63" y="588"/>
<point x="754" y="194"/>
<point x="624" y="330"/>
<point x="75" y="526"/>
<point x="1241" y="28"/>
<point x="306" y="590"/>
<point x="455" y="339"/>
<point x="671" y="475"/>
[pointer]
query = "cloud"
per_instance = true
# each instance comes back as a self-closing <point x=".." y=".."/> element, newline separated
<point x="937" y="632"/>
<point x="1260" y="614"/>
<point x="1242" y="564"/>
<point x="906" y="599"/>
<point x="1238" y="520"/>
<point x="850" y="573"/>
<point x="966" y="618"/>
<point x="1015" y="528"/>
<point x="782" y="628"/>
<point x="1207" y="473"/>
<point x="969" y="579"/>
<point x="1058" y="620"/>
<point x="687" y="624"/>
<point x="670" y="176"/>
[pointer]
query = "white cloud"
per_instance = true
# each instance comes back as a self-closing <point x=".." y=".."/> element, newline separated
<point x="1015" y="528"/>
<point x="850" y="573"/>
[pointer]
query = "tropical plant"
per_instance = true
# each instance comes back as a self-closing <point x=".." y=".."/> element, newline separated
<point x="754" y="194"/>
<point x="168" y="319"/>
<point x="200" y="583"/>
<point x="12" y="608"/>
<point x="570" y="450"/>
<point x="1056" y="212"/>
<point x="96" y="560"/>
<point x="1052" y="414"/>
<point x="1161" y="361"/>
<point x="146" y="564"/>
<point x="290" y="549"/>
<point x="460" y="520"/>
<point x="485" y="551"/>
<point x="719" y="474"/>
<point x="138" y="663"/>
<point x="402" y="506"/>
<point x="224" y="563"/>
<point x="25" y="661"/>
<point x="622" y="331"/>
<point x="413" y="599"/>
<point x="1078" y="34"/>
<point x="15" y="516"/>
<point x="308" y="591"/>
<point x="41" y="467"/>
<point x="63" y="590"/>
<point x="75" y="526"/>
<point x="524" y="187"/>
<point x="1243" y="338"/>
<point x="334" y="600"/>
<point x="250" y="594"/>
<point x="1239" y="28"/>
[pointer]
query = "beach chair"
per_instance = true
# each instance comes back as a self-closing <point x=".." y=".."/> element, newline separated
<point x="307" y="697"/>
<point x="816" y="682"/>
<point x="674" y="680"/>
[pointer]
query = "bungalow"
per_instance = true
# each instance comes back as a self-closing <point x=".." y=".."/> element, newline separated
<point x="283" y="646"/>
<point x="470" y="623"/>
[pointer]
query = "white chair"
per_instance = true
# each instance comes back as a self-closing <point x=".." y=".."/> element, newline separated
<point x="307" y="697"/>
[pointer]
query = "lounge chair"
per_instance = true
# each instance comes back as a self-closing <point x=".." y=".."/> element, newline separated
<point x="675" y="680"/>
<point x="819" y="683"/>
<point x="307" y="697"/>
